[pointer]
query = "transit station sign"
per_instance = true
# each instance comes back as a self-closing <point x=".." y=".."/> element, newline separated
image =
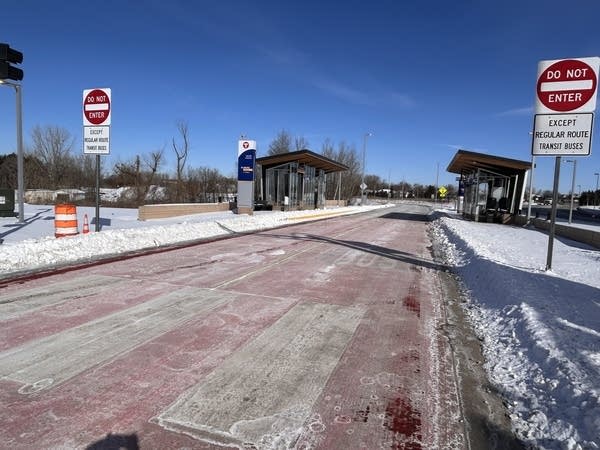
<point x="246" y="163"/>
<point x="246" y="160"/>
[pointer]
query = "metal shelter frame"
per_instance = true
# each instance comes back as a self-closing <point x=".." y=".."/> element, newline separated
<point x="296" y="180"/>
<point x="493" y="185"/>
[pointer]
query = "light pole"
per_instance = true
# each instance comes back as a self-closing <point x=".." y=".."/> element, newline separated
<point x="19" y="117"/>
<point x="437" y="180"/>
<point x="574" y="161"/>
<point x="362" y="183"/>
<point x="596" y="191"/>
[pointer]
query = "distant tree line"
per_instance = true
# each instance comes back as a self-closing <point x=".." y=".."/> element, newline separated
<point x="347" y="154"/>
<point x="50" y="162"/>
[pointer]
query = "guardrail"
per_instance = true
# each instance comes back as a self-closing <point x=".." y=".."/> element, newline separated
<point x="584" y="235"/>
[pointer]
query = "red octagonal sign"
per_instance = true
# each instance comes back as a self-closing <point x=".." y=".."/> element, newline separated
<point x="96" y="107"/>
<point x="567" y="85"/>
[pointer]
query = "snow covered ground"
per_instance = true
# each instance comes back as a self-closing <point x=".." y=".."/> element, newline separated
<point x="540" y="330"/>
<point x="31" y="245"/>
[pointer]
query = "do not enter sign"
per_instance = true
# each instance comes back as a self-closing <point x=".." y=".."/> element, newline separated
<point x="567" y="85"/>
<point x="96" y="107"/>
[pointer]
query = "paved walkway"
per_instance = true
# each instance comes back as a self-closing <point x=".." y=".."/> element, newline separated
<point x="321" y="335"/>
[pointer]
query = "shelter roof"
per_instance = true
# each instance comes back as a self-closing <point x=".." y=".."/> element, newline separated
<point x="466" y="162"/>
<point x="303" y="157"/>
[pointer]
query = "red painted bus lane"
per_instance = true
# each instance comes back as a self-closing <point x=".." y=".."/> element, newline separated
<point x="321" y="335"/>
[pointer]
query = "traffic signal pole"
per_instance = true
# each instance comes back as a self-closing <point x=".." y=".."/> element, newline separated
<point x="20" y="165"/>
<point x="9" y="56"/>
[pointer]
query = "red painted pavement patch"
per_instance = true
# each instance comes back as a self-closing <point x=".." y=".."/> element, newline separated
<point x="74" y="311"/>
<point x="122" y="395"/>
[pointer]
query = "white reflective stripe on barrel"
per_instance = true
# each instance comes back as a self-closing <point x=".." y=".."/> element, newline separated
<point x="65" y="217"/>
<point x="67" y="231"/>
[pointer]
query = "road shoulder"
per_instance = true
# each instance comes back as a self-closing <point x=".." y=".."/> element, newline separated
<point x="487" y="422"/>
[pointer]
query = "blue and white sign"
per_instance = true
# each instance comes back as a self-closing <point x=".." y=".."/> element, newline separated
<point x="246" y="159"/>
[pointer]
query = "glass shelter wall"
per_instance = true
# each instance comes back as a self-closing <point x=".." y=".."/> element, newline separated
<point x="490" y="195"/>
<point x="295" y="186"/>
<point x="493" y="185"/>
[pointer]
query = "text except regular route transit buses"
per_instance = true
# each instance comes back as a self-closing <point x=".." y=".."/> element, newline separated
<point x="559" y="146"/>
<point x="96" y="139"/>
<point x="562" y="134"/>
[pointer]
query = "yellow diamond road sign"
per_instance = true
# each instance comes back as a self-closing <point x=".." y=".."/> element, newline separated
<point x="442" y="191"/>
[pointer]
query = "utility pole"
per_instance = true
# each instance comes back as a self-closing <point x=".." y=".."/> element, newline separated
<point x="363" y="186"/>
<point x="437" y="177"/>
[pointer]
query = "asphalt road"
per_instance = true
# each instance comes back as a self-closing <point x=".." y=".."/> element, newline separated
<point x="323" y="335"/>
<point x="562" y="212"/>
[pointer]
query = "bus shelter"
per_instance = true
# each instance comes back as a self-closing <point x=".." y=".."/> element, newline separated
<point x="296" y="180"/>
<point x="492" y="186"/>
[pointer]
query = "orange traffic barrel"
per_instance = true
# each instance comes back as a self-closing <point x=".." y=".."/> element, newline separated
<point x="65" y="220"/>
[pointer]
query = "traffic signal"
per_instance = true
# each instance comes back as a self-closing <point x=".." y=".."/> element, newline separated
<point x="10" y="56"/>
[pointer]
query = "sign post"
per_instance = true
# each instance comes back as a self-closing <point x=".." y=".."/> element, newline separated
<point x="246" y="160"/>
<point x="96" y="131"/>
<point x="564" y="117"/>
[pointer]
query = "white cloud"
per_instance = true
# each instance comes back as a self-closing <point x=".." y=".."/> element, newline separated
<point x="528" y="111"/>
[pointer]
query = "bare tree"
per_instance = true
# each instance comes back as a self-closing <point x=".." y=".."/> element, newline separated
<point x="152" y="162"/>
<point x="138" y="173"/>
<point x="52" y="145"/>
<point x="281" y="144"/>
<point x="181" y="152"/>
<point x="328" y="149"/>
<point x="348" y="156"/>
<point x="300" y="143"/>
<point x="8" y="171"/>
<point x="374" y="183"/>
<point x="83" y="171"/>
<point x="205" y="184"/>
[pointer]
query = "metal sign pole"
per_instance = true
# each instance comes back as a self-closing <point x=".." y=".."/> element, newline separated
<point x="97" y="193"/>
<point x="553" y="214"/>
<point x="530" y="188"/>
<point x="572" y="190"/>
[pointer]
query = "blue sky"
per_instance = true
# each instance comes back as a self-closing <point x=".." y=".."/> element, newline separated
<point x="425" y="77"/>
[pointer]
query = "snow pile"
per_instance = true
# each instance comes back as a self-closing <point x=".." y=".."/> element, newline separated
<point x="48" y="251"/>
<point x="540" y="330"/>
<point x="155" y="193"/>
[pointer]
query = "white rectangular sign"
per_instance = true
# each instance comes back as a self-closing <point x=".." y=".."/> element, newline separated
<point x="96" y="140"/>
<point x="562" y="134"/>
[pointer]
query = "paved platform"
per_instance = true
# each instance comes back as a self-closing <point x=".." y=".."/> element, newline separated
<point x="321" y="335"/>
